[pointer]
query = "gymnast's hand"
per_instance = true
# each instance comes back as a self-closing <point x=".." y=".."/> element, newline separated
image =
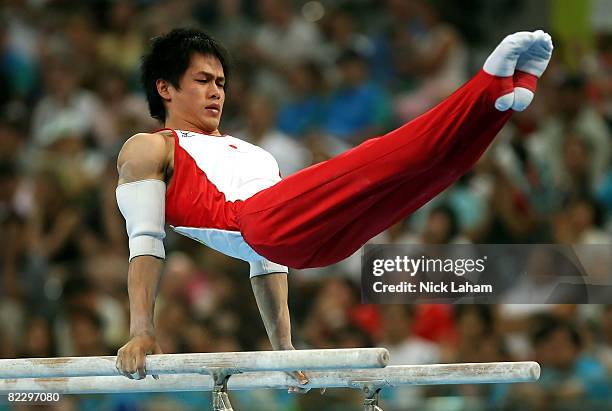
<point x="131" y="357"/>
<point x="301" y="378"/>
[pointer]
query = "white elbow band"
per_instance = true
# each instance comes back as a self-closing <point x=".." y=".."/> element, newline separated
<point x="261" y="267"/>
<point x="143" y="205"/>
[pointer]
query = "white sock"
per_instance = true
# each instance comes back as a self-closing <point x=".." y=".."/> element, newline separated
<point x="533" y="61"/>
<point x="502" y="62"/>
<point x="522" y="98"/>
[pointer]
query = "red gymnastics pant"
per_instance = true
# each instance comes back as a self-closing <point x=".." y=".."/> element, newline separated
<point x="324" y="213"/>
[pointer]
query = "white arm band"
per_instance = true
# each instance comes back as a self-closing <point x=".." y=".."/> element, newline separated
<point x="261" y="267"/>
<point x="143" y="205"/>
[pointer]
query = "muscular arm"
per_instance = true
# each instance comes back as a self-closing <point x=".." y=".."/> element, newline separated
<point x="143" y="157"/>
<point x="144" y="276"/>
<point x="271" y="295"/>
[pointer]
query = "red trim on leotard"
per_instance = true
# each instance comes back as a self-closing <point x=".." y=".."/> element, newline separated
<point x="192" y="200"/>
<point x="525" y="80"/>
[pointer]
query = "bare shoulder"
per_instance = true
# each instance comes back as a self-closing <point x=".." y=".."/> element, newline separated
<point x="143" y="156"/>
<point x="153" y="142"/>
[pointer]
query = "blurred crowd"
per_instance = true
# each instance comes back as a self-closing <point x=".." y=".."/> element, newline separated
<point x="309" y="80"/>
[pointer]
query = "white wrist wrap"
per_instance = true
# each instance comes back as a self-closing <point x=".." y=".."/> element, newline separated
<point x="143" y="205"/>
<point x="261" y="267"/>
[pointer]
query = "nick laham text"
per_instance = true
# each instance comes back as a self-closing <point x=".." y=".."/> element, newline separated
<point x="432" y="287"/>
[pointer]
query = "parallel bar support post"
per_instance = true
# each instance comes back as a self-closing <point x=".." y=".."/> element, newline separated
<point x="370" y="403"/>
<point x="220" y="398"/>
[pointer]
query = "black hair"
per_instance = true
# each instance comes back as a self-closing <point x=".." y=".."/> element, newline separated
<point x="546" y="325"/>
<point x="572" y="82"/>
<point x="453" y="220"/>
<point x="483" y="312"/>
<point x="8" y="169"/>
<point x="168" y="58"/>
<point x="350" y="55"/>
<point x="75" y="286"/>
<point x="313" y="70"/>
<point x="88" y="315"/>
<point x="599" y="214"/>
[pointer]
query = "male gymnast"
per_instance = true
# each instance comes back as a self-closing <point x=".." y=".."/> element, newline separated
<point x="228" y="194"/>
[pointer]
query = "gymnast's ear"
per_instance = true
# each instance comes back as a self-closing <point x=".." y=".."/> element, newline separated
<point x="163" y="88"/>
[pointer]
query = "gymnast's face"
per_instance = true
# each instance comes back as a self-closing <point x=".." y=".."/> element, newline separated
<point x="198" y="102"/>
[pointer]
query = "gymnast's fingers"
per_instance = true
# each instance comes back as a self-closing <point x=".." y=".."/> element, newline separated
<point x="129" y="366"/>
<point x="301" y="378"/>
<point x="120" y="363"/>
<point x="139" y="359"/>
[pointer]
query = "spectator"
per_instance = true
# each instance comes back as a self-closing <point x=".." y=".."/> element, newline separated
<point x="477" y="339"/>
<point x="65" y="107"/>
<point x="303" y="113"/>
<point x="572" y="115"/>
<point x="509" y="217"/>
<point x="397" y="336"/>
<point x="280" y="42"/>
<point x="17" y="73"/>
<point x="438" y="61"/>
<point x="340" y="27"/>
<point x="358" y="108"/>
<point x="121" y="113"/>
<point x="54" y="223"/>
<point x="441" y="227"/>
<point x="230" y="24"/>
<point x="79" y="37"/>
<point x="123" y="45"/>
<point x="604" y="350"/>
<point x="86" y="333"/>
<point x="260" y="130"/>
<point x="104" y="315"/>
<point x="569" y="375"/>
<point x="581" y="223"/>
<point x="577" y="155"/>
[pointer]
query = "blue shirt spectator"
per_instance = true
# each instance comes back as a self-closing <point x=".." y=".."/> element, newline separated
<point x="358" y="108"/>
<point x="303" y="113"/>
